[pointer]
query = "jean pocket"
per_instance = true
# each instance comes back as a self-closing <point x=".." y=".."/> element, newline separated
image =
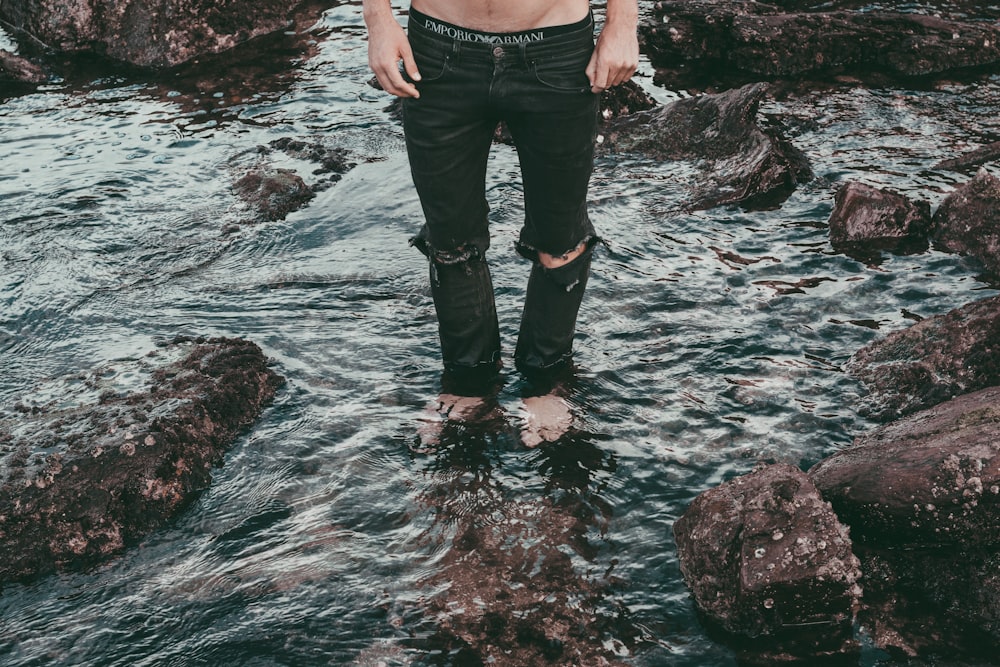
<point x="562" y="75"/>
<point x="432" y="64"/>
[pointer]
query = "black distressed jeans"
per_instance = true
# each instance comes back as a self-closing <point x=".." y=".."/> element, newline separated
<point x="540" y="90"/>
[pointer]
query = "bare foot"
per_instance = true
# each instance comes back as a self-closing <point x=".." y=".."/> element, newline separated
<point x="454" y="409"/>
<point x="546" y="419"/>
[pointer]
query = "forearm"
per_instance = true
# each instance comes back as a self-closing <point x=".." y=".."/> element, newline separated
<point x="387" y="47"/>
<point x="376" y="11"/>
<point x="616" y="54"/>
<point x="622" y="14"/>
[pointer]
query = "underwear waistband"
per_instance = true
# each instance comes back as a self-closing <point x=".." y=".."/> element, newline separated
<point x="461" y="34"/>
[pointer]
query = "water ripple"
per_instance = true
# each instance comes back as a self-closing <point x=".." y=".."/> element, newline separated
<point x="709" y="341"/>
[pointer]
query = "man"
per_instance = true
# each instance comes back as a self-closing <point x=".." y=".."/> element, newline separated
<point x="466" y="66"/>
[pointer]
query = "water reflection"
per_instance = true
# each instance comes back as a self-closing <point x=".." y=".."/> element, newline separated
<point x="516" y="580"/>
<point x="708" y="342"/>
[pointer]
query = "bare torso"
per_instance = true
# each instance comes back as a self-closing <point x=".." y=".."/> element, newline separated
<point x="504" y="15"/>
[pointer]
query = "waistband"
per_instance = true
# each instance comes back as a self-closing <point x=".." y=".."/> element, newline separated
<point x="474" y="41"/>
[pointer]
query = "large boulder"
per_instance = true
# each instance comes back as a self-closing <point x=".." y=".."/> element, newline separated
<point x="154" y="33"/>
<point x="765" y="557"/>
<point x="739" y="161"/>
<point x="866" y="219"/>
<point x="86" y="475"/>
<point x="929" y="479"/>
<point x="762" y="41"/>
<point x="932" y="361"/>
<point x="968" y="221"/>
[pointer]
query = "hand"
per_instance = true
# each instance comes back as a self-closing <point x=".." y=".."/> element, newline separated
<point x="615" y="58"/>
<point x="387" y="46"/>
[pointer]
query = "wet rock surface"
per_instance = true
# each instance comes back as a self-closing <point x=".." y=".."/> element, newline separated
<point x="271" y="192"/>
<point x="968" y="221"/>
<point x="739" y="161"/>
<point x="931" y="478"/>
<point x="624" y="99"/>
<point x="93" y="470"/>
<point x="765" y="557"/>
<point x="866" y="219"/>
<point x="974" y="158"/>
<point x="161" y="33"/>
<point x="764" y="40"/>
<point x="515" y="586"/>
<point x="15" y="69"/>
<point x="937" y="601"/>
<point x="932" y="361"/>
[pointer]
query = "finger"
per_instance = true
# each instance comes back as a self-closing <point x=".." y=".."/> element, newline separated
<point x="623" y="75"/>
<point x="600" y="81"/>
<point x="393" y="82"/>
<point x="591" y="70"/>
<point x="409" y="64"/>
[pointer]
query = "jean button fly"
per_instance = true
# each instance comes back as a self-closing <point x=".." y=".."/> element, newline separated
<point x="498" y="52"/>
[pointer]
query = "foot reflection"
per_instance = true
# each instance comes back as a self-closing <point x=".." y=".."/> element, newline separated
<point x="517" y="539"/>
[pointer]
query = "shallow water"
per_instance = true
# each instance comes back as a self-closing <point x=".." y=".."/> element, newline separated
<point x="709" y="341"/>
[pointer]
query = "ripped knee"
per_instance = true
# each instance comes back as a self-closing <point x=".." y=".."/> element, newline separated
<point x="573" y="272"/>
<point x="464" y="258"/>
<point x="459" y="255"/>
<point x="554" y="261"/>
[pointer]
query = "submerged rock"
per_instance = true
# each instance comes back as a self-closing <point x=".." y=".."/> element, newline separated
<point x="968" y="221"/>
<point x="932" y="361"/>
<point x="765" y="557"/>
<point x="273" y="193"/>
<point x="270" y="192"/>
<point x="739" y="161"/>
<point x="867" y="219"/>
<point x="81" y="482"/>
<point x="157" y="33"/>
<point x="930" y="478"/>
<point x="514" y="581"/>
<point x="974" y="158"/>
<point x="762" y="40"/>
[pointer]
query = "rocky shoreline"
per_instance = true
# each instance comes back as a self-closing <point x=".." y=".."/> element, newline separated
<point x="897" y="533"/>
<point x="81" y="483"/>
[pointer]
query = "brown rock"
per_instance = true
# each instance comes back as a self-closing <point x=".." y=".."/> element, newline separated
<point x="930" y="478"/>
<point x="273" y="193"/>
<point x="80" y="484"/>
<point x="765" y="556"/>
<point x="938" y="601"/>
<point x="867" y="219"/>
<point x="968" y="221"/>
<point x="762" y="40"/>
<point x="155" y="33"/>
<point x="934" y="360"/>
<point x="517" y="584"/>
<point x="974" y="158"/>
<point x="739" y="162"/>
<point x="18" y="69"/>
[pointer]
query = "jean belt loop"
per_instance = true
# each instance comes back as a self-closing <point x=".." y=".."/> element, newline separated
<point x="456" y="50"/>
<point x="522" y="53"/>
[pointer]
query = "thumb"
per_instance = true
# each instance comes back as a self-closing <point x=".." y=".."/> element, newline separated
<point x="591" y="70"/>
<point x="409" y="64"/>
